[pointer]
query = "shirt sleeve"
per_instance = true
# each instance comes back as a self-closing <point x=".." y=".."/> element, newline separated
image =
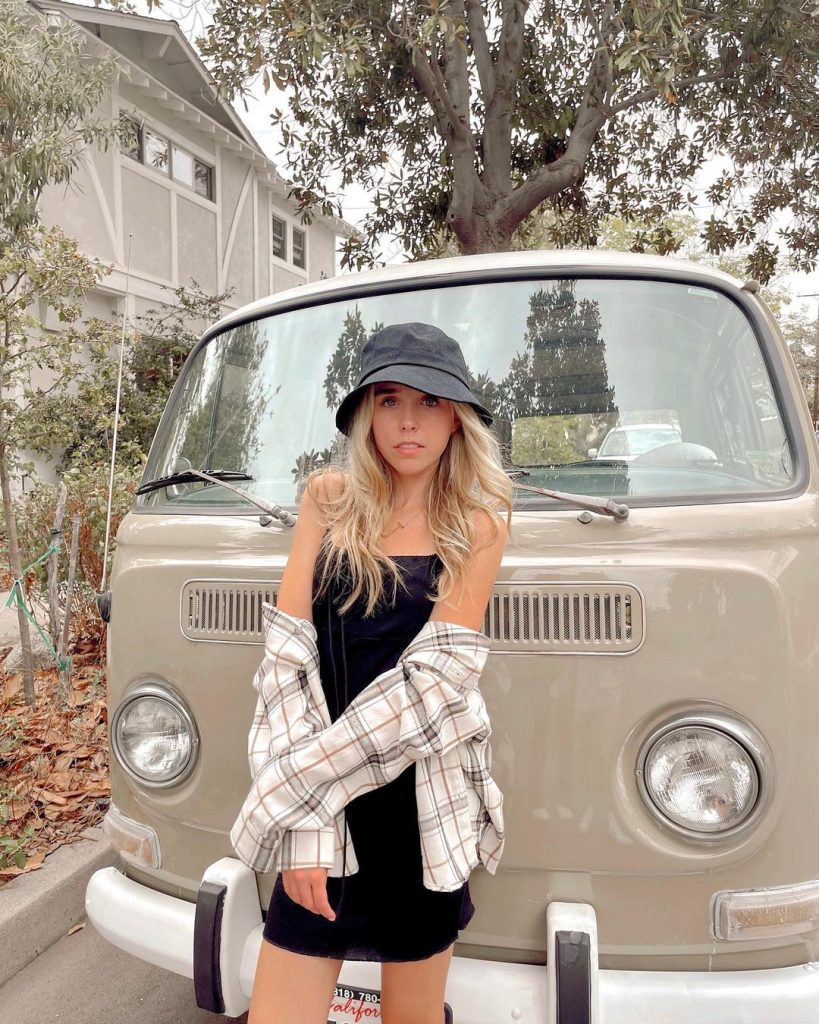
<point x="420" y="708"/>
<point x="290" y="708"/>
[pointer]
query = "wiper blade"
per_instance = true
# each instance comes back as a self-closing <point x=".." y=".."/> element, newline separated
<point x="189" y="476"/>
<point x="222" y="476"/>
<point x="615" y="509"/>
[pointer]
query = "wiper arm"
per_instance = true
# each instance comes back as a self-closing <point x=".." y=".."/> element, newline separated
<point x="617" y="510"/>
<point x="266" y="506"/>
<point x="221" y="476"/>
<point x="188" y="476"/>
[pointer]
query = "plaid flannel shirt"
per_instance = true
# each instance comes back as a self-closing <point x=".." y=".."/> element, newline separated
<point x="427" y="710"/>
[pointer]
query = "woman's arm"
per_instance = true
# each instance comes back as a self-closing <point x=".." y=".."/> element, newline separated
<point x="306" y="886"/>
<point x="296" y="589"/>
<point x="466" y="605"/>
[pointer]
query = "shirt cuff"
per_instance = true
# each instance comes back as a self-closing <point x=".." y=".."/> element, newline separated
<point x="308" y="848"/>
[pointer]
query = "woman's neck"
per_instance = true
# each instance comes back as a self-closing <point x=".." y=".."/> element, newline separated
<point x="410" y="492"/>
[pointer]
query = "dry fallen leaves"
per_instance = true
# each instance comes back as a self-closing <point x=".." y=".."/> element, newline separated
<point x="53" y="762"/>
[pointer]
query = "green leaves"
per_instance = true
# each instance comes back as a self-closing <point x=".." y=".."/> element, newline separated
<point x="639" y="94"/>
<point x="50" y="87"/>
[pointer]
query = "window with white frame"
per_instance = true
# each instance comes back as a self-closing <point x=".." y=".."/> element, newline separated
<point x="299" y="248"/>
<point x="154" y="150"/>
<point x="278" y="233"/>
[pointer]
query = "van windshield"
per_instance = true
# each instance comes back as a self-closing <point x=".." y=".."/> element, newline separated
<point x="615" y="388"/>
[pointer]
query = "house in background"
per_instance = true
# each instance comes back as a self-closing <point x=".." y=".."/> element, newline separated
<point x="195" y="196"/>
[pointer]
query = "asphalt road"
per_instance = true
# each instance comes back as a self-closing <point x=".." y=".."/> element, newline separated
<point x="82" y="979"/>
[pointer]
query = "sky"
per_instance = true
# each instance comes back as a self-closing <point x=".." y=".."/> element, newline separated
<point x="354" y="200"/>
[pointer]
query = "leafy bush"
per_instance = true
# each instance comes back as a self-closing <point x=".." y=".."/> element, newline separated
<point x="87" y="498"/>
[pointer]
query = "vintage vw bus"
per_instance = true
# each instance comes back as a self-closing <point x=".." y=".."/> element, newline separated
<point x="653" y="681"/>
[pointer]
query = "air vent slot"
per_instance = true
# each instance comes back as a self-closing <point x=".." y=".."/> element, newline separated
<point x="565" y="619"/>
<point x="225" y="610"/>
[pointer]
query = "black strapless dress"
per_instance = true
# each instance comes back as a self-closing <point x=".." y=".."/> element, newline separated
<point x="383" y="911"/>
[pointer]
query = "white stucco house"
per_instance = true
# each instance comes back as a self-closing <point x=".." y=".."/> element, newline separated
<point x="195" y="198"/>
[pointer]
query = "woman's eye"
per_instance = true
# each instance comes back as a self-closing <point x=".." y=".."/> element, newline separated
<point x="430" y="400"/>
<point x="387" y="399"/>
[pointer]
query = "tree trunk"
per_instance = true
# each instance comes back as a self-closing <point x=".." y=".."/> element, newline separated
<point x="53" y="567"/>
<point x="475" y="236"/>
<point x="17" y="571"/>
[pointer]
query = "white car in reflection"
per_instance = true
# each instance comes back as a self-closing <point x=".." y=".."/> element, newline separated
<point x="628" y="442"/>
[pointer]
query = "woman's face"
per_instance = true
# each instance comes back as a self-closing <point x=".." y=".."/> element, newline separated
<point x="411" y="430"/>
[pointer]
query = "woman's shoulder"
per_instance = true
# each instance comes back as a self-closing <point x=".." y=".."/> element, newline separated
<point x="490" y="527"/>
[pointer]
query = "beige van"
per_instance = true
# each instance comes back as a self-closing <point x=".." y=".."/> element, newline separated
<point x="654" y="677"/>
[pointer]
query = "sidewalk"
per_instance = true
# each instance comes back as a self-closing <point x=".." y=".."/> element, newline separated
<point x="9" y="634"/>
<point x="9" y="627"/>
<point x="37" y="909"/>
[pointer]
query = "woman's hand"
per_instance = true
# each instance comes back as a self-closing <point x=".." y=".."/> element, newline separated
<point x="308" y="888"/>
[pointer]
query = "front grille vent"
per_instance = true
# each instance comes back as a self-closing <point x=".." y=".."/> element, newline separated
<point x="227" y="610"/>
<point x="542" y="618"/>
<point x="565" y="619"/>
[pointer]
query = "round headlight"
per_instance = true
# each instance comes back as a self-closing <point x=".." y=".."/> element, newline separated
<point x="154" y="737"/>
<point x="702" y="777"/>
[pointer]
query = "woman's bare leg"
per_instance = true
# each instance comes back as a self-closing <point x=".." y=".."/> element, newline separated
<point x="290" y="988"/>
<point x="413" y="993"/>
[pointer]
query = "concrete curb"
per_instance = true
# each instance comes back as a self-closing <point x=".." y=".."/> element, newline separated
<point x="39" y="908"/>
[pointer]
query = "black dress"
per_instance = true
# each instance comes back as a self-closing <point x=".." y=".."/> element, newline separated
<point x="383" y="911"/>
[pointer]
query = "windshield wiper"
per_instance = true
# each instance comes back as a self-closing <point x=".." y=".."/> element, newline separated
<point x="616" y="509"/>
<point x="189" y="476"/>
<point x="221" y="477"/>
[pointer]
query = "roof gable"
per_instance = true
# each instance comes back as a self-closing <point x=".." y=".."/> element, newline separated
<point x="161" y="49"/>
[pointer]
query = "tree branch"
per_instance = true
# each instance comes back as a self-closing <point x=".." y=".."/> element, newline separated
<point x="568" y="168"/>
<point x="430" y="81"/>
<point x="480" y="47"/>
<point x="497" y="136"/>
<point x="677" y="84"/>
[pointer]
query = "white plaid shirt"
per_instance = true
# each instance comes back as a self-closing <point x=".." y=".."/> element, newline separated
<point x="427" y="710"/>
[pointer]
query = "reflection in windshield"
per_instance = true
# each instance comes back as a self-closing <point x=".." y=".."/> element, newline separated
<point x="560" y="372"/>
<point x="563" y="364"/>
<point x="340" y="377"/>
<point x="226" y="406"/>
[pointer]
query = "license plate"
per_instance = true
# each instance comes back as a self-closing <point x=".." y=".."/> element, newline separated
<point x="361" y="1005"/>
<point x="354" y="1006"/>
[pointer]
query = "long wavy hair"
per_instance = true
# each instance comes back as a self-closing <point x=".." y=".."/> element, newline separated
<point x="357" y="502"/>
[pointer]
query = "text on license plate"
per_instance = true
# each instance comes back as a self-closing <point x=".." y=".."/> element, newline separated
<point x="354" y="1005"/>
<point x="357" y="1005"/>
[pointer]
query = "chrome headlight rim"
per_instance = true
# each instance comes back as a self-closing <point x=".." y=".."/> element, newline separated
<point x="161" y="691"/>
<point x="742" y="733"/>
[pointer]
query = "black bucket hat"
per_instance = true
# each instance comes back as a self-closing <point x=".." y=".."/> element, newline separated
<point x="419" y="356"/>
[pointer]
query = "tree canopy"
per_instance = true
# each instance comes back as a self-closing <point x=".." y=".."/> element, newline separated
<point x="470" y="116"/>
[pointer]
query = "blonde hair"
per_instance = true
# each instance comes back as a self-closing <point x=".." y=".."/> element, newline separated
<point x="357" y="504"/>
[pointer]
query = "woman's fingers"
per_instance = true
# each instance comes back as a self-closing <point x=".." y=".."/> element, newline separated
<point x="320" y="902"/>
<point x="308" y="888"/>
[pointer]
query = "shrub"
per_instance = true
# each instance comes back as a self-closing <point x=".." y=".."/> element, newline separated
<point x="87" y="498"/>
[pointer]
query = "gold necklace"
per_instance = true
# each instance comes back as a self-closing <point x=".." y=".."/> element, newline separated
<point x="401" y="525"/>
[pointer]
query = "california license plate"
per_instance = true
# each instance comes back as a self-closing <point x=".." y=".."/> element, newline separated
<point x="358" y="1005"/>
<point x="354" y="1005"/>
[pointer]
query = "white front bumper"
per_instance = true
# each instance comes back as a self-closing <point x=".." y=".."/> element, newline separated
<point x="161" y="930"/>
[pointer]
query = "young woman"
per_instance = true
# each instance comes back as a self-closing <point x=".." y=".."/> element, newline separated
<point x="397" y="554"/>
